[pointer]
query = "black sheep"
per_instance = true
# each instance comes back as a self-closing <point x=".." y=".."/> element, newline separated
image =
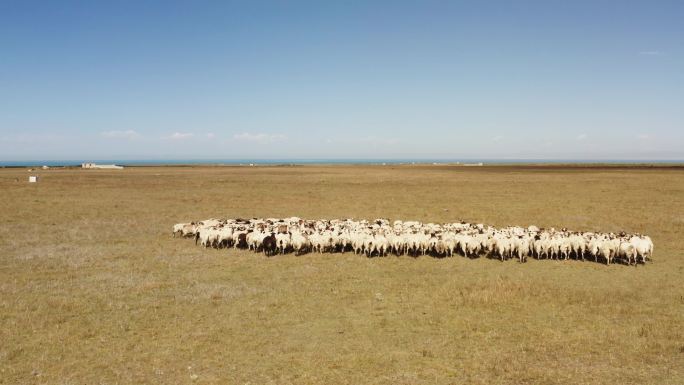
<point x="242" y="240"/>
<point x="269" y="244"/>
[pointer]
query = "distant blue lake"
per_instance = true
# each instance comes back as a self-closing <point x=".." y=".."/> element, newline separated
<point x="171" y="162"/>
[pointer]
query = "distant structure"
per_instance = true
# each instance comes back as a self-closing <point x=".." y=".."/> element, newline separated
<point x="473" y="164"/>
<point x="101" y="166"/>
<point x="33" y="179"/>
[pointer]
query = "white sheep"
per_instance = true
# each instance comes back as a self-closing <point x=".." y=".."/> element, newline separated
<point x="299" y="242"/>
<point x="382" y="236"/>
<point x="643" y="246"/>
<point x="282" y="241"/>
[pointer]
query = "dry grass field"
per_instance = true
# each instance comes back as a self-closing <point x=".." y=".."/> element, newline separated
<point x="94" y="290"/>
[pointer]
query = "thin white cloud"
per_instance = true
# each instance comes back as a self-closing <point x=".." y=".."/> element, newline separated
<point x="259" y="138"/>
<point x="181" y="135"/>
<point x="581" y="137"/>
<point x="651" y="53"/>
<point x="211" y="135"/>
<point x="118" y="134"/>
<point x="643" y="136"/>
<point x="498" y="138"/>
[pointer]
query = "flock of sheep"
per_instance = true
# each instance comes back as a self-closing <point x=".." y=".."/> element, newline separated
<point x="382" y="237"/>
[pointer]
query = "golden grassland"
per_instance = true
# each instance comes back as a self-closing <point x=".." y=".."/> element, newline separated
<point x="93" y="289"/>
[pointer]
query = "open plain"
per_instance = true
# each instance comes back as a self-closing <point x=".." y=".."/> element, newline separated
<point x="94" y="290"/>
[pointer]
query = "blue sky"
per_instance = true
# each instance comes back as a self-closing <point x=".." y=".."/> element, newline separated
<point x="354" y="79"/>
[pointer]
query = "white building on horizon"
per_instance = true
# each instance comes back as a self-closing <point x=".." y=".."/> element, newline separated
<point x="101" y="166"/>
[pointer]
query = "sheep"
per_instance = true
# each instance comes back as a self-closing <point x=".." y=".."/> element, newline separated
<point x="553" y="246"/>
<point x="282" y="241"/>
<point x="593" y="248"/>
<point x="369" y="245"/>
<point x="240" y="238"/>
<point x="184" y="229"/>
<point x="472" y="245"/>
<point x="643" y="246"/>
<point x="627" y="250"/>
<point x="607" y="249"/>
<point x="397" y="243"/>
<point x="423" y="243"/>
<point x="321" y="242"/>
<point x="412" y="244"/>
<point x="382" y="236"/>
<point x="358" y="241"/>
<point x="189" y="229"/>
<point x="461" y="243"/>
<point x="255" y="240"/>
<point x="504" y="247"/>
<point x="225" y="236"/>
<point x="577" y="245"/>
<point x="341" y="240"/>
<point x="207" y="236"/>
<point x="269" y="244"/>
<point x="446" y="243"/>
<point x="380" y="245"/>
<point x="564" y="247"/>
<point x="178" y="229"/>
<point x="522" y="245"/>
<point x="299" y="242"/>
<point x="449" y="245"/>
